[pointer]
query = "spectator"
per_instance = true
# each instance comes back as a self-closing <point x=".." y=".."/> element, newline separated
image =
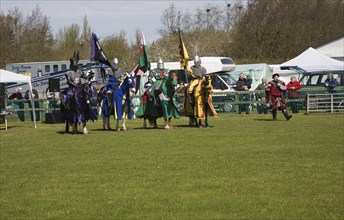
<point x="243" y="85"/>
<point x="18" y="105"/>
<point x="293" y="86"/>
<point x="261" y="97"/>
<point x="180" y="87"/>
<point x="36" y="103"/>
<point x="54" y="100"/>
<point x="330" y="83"/>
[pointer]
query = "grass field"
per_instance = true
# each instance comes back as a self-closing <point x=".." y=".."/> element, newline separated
<point x="244" y="167"/>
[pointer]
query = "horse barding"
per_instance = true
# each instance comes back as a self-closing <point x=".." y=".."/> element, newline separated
<point x="158" y="100"/>
<point x="198" y="101"/>
<point x="115" y="99"/>
<point x="80" y="105"/>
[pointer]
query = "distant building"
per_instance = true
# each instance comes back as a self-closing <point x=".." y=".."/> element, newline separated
<point x="333" y="48"/>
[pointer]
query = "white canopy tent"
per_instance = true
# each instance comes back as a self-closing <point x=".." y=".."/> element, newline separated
<point x="8" y="77"/>
<point x="312" y="60"/>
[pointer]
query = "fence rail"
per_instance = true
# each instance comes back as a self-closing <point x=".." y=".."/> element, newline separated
<point x="324" y="103"/>
<point x="309" y="101"/>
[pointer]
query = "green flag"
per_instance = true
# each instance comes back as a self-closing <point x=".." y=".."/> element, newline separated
<point x="144" y="63"/>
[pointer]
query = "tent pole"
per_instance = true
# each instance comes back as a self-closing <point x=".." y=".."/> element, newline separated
<point x="33" y="107"/>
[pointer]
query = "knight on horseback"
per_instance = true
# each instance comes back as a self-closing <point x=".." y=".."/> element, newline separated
<point x="197" y="99"/>
<point x="115" y="97"/>
<point x="106" y="94"/>
<point x="116" y="71"/>
<point x="77" y="100"/>
<point x="159" y="99"/>
<point x="73" y="77"/>
<point x="198" y="72"/>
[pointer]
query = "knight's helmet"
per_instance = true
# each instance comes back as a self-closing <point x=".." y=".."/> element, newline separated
<point x="115" y="63"/>
<point x="74" y="61"/>
<point x="160" y="64"/>
<point x="197" y="61"/>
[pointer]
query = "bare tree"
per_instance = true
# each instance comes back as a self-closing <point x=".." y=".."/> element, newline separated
<point x="85" y="40"/>
<point x="174" y="20"/>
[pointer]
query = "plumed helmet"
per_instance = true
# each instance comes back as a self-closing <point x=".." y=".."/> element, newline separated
<point x="115" y="63"/>
<point x="74" y="61"/>
<point x="160" y="64"/>
<point x="197" y="61"/>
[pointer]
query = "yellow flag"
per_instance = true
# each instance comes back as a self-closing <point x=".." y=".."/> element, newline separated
<point x="184" y="56"/>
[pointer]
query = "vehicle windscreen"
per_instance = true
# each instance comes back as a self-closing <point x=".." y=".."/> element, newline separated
<point x="228" y="79"/>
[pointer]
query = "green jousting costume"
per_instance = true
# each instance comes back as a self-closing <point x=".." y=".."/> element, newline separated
<point x="159" y="99"/>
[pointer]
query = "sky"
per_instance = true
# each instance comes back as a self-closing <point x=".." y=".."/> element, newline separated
<point x="108" y="17"/>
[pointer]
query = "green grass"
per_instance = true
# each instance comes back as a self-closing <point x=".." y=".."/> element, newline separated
<point x="244" y="167"/>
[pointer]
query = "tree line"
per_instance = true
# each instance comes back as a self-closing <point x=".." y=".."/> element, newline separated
<point x="254" y="31"/>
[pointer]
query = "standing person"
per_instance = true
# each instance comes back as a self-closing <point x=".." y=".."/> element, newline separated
<point x="36" y="103"/>
<point x="18" y="105"/>
<point x="261" y="97"/>
<point x="330" y="83"/>
<point x="293" y="86"/>
<point x="243" y="85"/>
<point x="276" y="95"/>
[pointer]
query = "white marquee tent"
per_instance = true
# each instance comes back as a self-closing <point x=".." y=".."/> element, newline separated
<point x="312" y="60"/>
<point x="8" y="77"/>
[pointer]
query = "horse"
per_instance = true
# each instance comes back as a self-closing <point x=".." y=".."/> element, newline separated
<point x="159" y="101"/>
<point x="115" y="99"/>
<point x="198" y="101"/>
<point x="105" y="102"/>
<point x="144" y="107"/>
<point x="122" y="102"/>
<point x="80" y="108"/>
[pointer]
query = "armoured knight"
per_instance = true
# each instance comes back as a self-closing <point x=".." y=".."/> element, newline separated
<point x="73" y="76"/>
<point x="198" y="70"/>
<point x="116" y="71"/>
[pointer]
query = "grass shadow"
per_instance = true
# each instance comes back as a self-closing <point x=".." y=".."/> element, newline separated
<point x="264" y="119"/>
<point x="69" y="133"/>
<point x="148" y="128"/>
<point x="188" y="126"/>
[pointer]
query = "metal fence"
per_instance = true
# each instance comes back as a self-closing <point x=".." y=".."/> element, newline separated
<point x="325" y="103"/>
<point x="250" y="102"/>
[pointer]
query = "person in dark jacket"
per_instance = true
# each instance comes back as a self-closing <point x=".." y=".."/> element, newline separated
<point x="243" y="85"/>
<point x="36" y="103"/>
<point x="18" y="106"/>
<point x="330" y="83"/>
